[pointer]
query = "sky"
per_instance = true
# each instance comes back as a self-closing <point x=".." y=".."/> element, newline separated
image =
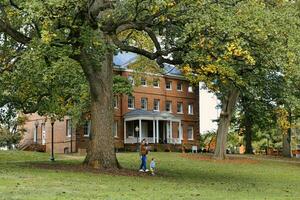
<point x="208" y="111"/>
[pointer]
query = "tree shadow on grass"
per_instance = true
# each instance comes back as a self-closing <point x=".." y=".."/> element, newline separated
<point x="78" y="167"/>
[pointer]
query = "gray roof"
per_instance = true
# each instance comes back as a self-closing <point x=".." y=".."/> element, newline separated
<point x="147" y="113"/>
<point x="123" y="59"/>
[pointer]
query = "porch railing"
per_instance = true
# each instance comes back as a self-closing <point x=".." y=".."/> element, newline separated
<point x="134" y="140"/>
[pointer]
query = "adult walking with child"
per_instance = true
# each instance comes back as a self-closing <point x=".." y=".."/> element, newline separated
<point x="143" y="154"/>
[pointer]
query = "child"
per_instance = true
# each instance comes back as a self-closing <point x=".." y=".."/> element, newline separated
<point x="152" y="166"/>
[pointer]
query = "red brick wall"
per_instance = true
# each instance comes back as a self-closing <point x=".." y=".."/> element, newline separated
<point x="61" y="141"/>
<point x="80" y="141"/>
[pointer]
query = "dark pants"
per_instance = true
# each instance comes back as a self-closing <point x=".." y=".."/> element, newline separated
<point x="144" y="162"/>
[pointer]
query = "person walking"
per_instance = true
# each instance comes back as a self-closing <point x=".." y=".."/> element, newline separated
<point x="143" y="154"/>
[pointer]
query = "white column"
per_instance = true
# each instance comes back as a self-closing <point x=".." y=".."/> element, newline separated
<point x="124" y="132"/>
<point x="171" y="131"/>
<point x="180" y="132"/>
<point x="157" y="131"/>
<point x="153" y="131"/>
<point x="140" y="130"/>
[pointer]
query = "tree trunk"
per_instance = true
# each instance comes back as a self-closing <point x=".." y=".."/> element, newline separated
<point x="228" y="105"/>
<point x="101" y="151"/>
<point x="248" y="134"/>
<point x="286" y="143"/>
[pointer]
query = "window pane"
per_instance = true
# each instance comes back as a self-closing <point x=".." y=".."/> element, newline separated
<point x="169" y="85"/>
<point x="155" y="83"/>
<point x="179" y="86"/>
<point x="190" y="109"/>
<point x="169" y="106"/>
<point x="69" y="127"/>
<point x="130" y="102"/>
<point x="131" y="80"/>
<point x="179" y="107"/>
<point x="143" y="82"/>
<point x="115" y="102"/>
<point x="190" y="132"/>
<point x="87" y="128"/>
<point x="115" y="129"/>
<point x="144" y="103"/>
<point x="156" y="105"/>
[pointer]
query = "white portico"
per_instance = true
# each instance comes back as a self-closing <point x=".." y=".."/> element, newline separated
<point x="155" y="127"/>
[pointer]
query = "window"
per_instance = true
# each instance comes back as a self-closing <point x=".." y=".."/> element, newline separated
<point x="179" y="86"/>
<point x="190" y="109"/>
<point x="143" y="82"/>
<point x="130" y="129"/>
<point x="130" y="102"/>
<point x="168" y="106"/>
<point x="156" y="105"/>
<point x="69" y="128"/>
<point x="156" y="83"/>
<point x="116" y="101"/>
<point x="131" y="80"/>
<point x="169" y="85"/>
<point x="179" y="107"/>
<point x="190" y="132"/>
<point x="87" y="128"/>
<point x="43" y="133"/>
<point x="35" y="133"/>
<point x="190" y="88"/>
<point x="144" y="103"/>
<point x="115" y="129"/>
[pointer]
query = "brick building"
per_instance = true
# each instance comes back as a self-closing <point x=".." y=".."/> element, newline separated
<point x="163" y="109"/>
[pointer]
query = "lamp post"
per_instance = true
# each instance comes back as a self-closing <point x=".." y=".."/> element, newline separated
<point x="52" y="139"/>
<point x="137" y="138"/>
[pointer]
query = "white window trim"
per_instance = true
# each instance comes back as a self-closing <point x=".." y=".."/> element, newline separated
<point x="116" y="129"/>
<point x="146" y="103"/>
<point x="181" y="90"/>
<point x="35" y="134"/>
<point x="192" y="133"/>
<point x="146" y="85"/>
<point x="181" y="112"/>
<point x="130" y="78"/>
<point x="89" y="129"/>
<point x="170" y="106"/>
<point x="157" y="100"/>
<point x="131" y="108"/>
<point x="170" y="85"/>
<point x="192" y="91"/>
<point x="191" y="113"/>
<point x="44" y="133"/>
<point x="69" y="133"/>
<point x="158" y="85"/>
<point x="117" y="102"/>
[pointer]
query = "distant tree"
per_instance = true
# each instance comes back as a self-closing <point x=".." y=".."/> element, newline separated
<point x="241" y="42"/>
<point x="10" y="131"/>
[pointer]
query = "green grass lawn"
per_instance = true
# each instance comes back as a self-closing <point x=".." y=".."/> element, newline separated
<point x="178" y="178"/>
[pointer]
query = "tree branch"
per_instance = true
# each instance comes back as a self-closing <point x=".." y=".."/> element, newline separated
<point x="19" y="37"/>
